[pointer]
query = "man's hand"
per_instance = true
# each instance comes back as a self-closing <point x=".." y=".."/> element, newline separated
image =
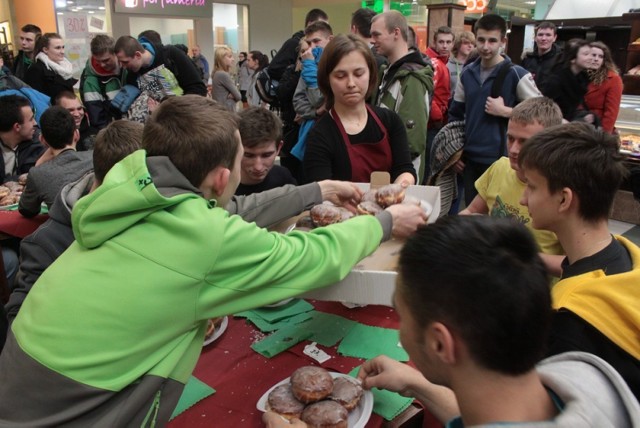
<point x="406" y="219"/>
<point x="385" y="373"/>
<point x="341" y="193"/>
<point x="307" y="54"/>
<point x="458" y="167"/>
<point x="496" y="107"/>
<point x="274" y="420"/>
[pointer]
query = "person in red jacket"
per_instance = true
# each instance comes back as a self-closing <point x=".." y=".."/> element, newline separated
<point x="439" y="53"/>
<point x="605" y="87"/>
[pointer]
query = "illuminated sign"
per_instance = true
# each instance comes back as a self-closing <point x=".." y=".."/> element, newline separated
<point x="190" y="8"/>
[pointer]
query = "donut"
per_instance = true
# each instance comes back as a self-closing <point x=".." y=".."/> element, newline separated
<point x="310" y="384"/>
<point x="325" y="414"/>
<point x="410" y="200"/>
<point x="282" y="401"/>
<point x="390" y="194"/>
<point x="10" y="199"/>
<point x="345" y="214"/>
<point x="14" y="186"/>
<point x="305" y="222"/>
<point x="22" y="179"/>
<point x="346" y="392"/>
<point x="367" y="207"/>
<point x="369" y="195"/>
<point x="324" y="215"/>
<point x="212" y="325"/>
<point x="4" y="191"/>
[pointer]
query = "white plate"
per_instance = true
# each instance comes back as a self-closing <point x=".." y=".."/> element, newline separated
<point x="426" y="206"/>
<point x="277" y="304"/>
<point x="218" y="332"/>
<point x="358" y="417"/>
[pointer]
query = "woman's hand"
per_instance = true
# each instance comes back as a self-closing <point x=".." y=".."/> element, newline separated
<point x="405" y="179"/>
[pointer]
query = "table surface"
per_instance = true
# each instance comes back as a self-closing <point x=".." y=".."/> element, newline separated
<point x="12" y="223"/>
<point x="240" y="375"/>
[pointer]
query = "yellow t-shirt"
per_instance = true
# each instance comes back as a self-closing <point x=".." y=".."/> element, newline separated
<point x="501" y="189"/>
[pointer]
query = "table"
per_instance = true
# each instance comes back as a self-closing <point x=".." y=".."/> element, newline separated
<point x="13" y="224"/>
<point x="240" y="375"/>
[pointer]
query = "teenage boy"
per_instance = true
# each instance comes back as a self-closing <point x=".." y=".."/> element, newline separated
<point x="69" y="101"/>
<point x="128" y="338"/>
<point x="500" y="187"/>
<point x="60" y="164"/>
<point x="485" y="116"/>
<point x="101" y="80"/>
<point x="545" y="53"/>
<point x="405" y="84"/>
<point x="17" y="128"/>
<point x="439" y="53"/>
<point x="572" y="173"/>
<point x="260" y="131"/>
<point x="475" y="309"/>
<point x="28" y="35"/>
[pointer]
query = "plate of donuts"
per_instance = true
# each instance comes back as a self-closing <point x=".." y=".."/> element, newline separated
<point x="215" y="328"/>
<point x="320" y="398"/>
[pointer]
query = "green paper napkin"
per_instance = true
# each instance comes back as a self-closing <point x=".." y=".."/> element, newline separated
<point x="281" y="340"/>
<point x="386" y="403"/>
<point x="267" y="327"/>
<point x="327" y="329"/>
<point x="194" y="391"/>
<point x="364" y="341"/>
<point x="294" y="307"/>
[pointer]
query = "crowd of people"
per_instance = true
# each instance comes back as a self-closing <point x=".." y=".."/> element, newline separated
<point x="519" y="307"/>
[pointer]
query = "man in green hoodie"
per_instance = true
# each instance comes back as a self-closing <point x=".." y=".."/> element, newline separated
<point x="112" y="330"/>
<point x="405" y="83"/>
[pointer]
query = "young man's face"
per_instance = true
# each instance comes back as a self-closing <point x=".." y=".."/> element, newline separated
<point x="28" y="126"/>
<point x="258" y="161"/>
<point x="131" y="63"/>
<point x="107" y="60"/>
<point x="27" y="41"/>
<point x="74" y="107"/>
<point x="383" y="40"/>
<point x="545" y="38"/>
<point x="542" y="204"/>
<point x="443" y="43"/>
<point x="517" y="134"/>
<point x="489" y="43"/>
<point x="466" y="47"/>
<point x="318" y="38"/>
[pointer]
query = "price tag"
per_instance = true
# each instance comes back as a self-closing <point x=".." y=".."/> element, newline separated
<point x="316" y="353"/>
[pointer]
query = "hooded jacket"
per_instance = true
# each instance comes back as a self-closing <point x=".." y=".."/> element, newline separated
<point x="589" y="392"/>
<point x="540" y="65"/>
<point x="97" y="88"/>
<point x="404" y="88"/>
<point x="152" y="262"/>
<point x="441" y="88"/>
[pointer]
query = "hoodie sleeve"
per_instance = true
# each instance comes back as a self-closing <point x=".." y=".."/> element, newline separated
<point x="187" y="73"/>
<point x="95" y="104"/>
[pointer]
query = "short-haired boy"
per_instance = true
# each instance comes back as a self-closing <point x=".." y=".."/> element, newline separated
<point x="500" y="187"/>
<point x="59" y="165"/>
<point x="260" y="131"/>
<point x="475" y="309"/>
<point x="573" y="172"/>
<point x="156" y="255"/>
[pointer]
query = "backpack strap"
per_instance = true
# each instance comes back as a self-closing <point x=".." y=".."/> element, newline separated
<point x="496" y="91"/>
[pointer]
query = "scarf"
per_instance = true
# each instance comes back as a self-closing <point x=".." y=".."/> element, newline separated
<point x="64" y="69"/>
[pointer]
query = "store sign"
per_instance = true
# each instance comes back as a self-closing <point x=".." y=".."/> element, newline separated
<point x="190" y="8"/>
<point x="75" y="25"/>
<point x="476" y="6"/>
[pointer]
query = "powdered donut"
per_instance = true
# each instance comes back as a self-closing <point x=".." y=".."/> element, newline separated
<point x="310" y="384"/>
<point x="324" y="215"/>
<point x="346" y="392"/>
<point x="325" y="414"/>
<point x="390" y="194"/>
<point x="368" y="207"/>
<point x="282" y="401"/>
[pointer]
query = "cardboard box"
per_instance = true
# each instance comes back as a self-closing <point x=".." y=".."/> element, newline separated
<point x="372" y="281"/>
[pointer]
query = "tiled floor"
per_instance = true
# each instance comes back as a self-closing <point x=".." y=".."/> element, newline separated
<point x="628" y="230"/>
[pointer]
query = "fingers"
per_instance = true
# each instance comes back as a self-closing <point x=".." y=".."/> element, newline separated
<point x="274" y="420"/>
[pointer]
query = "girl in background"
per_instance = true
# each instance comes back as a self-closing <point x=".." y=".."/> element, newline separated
<point x="223" y="89"/>
<point x="605" y="87"/>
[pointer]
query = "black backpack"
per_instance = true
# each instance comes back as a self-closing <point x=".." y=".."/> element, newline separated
<point x="267" y="87"/>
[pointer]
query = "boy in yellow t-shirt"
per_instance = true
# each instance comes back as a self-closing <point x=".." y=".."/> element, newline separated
<point x="501" y="186"/>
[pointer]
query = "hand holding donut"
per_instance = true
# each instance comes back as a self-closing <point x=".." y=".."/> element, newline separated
<point x="341" y="193"/>
<point x="406" y="219"/>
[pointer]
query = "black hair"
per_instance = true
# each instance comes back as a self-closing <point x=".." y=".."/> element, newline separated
<point x="492" y="22"/>
<point x="11" y="111"/>
<point x="361" y="19"/>
<point x="58" y="127"/>
<point x="314" y="15"/>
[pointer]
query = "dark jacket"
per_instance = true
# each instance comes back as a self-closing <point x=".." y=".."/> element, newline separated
<point x="97" y="88"/>
<point x="286" y="56"/>
<point x="20" y="65"/>
<point x="567" y="90"/>
<point x="540" y="65"/>
<point x="47" y="81"/>
<point x="27" y="154"/>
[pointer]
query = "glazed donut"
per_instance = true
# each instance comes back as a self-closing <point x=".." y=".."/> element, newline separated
<point x="390" y="194"/>
<point x="282" y="401"/>
<point x="212" y="325"/>
<point x="345" y="214"/>
<point x="346" y="392"/>
<point x="22" y="179"/>
<point x="10" y="199"/>
<point x="305" y="222"/>
<point x="325" y="414"/>
<point x="324" y="215"/>
<point x="369" y="195"/>
<point x="4" y="191"/>
<point x="310" y="384"/>
<point x="14" y="186"/>
<point x="368" y="207"/>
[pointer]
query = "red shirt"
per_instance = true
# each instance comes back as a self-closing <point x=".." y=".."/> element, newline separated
<point x="604" y="100"/>
<point x="441" y="88"/>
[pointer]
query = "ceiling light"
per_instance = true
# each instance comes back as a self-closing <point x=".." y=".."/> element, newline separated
<point x="60" y="4"/>
<point x="70" y="2"/>
<point x="91" y="11"/>
<point x="101" y="8"/>
<point x="530" y="2"/>
<point x="60" y="13"/>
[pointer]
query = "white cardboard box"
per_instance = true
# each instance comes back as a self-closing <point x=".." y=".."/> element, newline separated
<point x="372" y="281"/>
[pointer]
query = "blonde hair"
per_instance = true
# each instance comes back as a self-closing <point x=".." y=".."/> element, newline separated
<point x="461" y="37"/>
<point x="220" y="53"/>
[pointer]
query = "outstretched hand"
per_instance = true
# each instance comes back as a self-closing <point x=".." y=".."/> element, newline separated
<point x="385" y="373"/>
<point x="341" y="193"/>
<point x="406" y="219"/>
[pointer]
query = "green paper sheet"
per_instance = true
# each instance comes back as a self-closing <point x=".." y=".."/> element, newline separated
<point x="294" y="307"/>
<point x="364" y="341"/>
<point x="327" y="329"/>
<point x="267" y="327"/>
<point x="194" y="391"/>
<point x="386" y="403"/>
<point x="281" y="340"/>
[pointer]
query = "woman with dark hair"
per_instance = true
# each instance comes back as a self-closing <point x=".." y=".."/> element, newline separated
<point x="605" y="88"/>
<point x="567" y="84"/>
<point x="354" y="139"/>
<point x="256" y="61"/>
<point x="51" y="73"/>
